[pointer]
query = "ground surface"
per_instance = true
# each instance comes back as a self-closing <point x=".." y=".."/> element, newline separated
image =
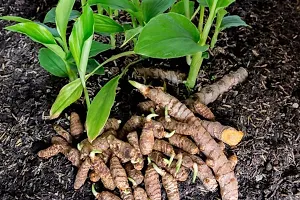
<point x="265" y="106"/>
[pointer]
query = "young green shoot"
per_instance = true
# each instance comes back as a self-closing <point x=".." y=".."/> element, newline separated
<point x="132" y="181"/>
<point x="94" y="191"/>
<point x="158" y="170"/>
<point x="195" y="172"/>
<point x="179" y="162"/>
<point x="167" y="116"/>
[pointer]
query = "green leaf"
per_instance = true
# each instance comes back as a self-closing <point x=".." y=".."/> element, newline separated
<point x="220" y="4"/>
<point x="93" y="64"/>
<point x="52" y="63"/>
<point x="169" y="35"/>
<point x="104" y="24"/>
<point x="179" y="7"/>
<point x="36" y="32"/>
<point x="50" y="16"/>
<point x="62" y="14"/>
<point x="115" y="4"/>
<point x="100" y="108"/>
<point x="232" y="21"/>
<point x="98" y="47"/>
<point x="81" y="35"/>
<point x="131" y="33"/>
<point x="67" y="95"/>
<point x="15" y="19"/>
<point x="151" y="8"/>
<point x="203" y="3"/>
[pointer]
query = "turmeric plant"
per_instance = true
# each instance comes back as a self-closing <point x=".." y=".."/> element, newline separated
<point x="186" y="39"/>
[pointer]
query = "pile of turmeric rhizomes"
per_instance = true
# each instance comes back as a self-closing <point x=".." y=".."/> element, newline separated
<point x="169" y="142"/>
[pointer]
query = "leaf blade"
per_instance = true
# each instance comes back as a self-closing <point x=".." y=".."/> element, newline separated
<point x="104" y="24"/>
<point x="232" y="21"/>
<point x="115" y="4"/>
<point x="50" y="16"/>
<point x="62" y="14"/>
<point x="15" y="19"/>
<point x="151" y="8"/>
<point x="98" y="47"/>
<point x="67" y="95"/>
<point x="52" y="63"/>
<point x="36" y="32"/>
<point x="174" y="33"/>
<point x="100" y="108"/>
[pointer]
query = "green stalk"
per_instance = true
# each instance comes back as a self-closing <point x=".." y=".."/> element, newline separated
<point x="86" y="94"/>
<point x="83" y="2"/>
<point x="114" y="57"/>
<point x="112" y="36"/>
<point x="201" y="19"/>
<point x="195" y="13"/>
<point x="99" y="9"/>
<point x="72" y="75"/>
<point x="220" y="16"/>
<point x="187" y="8"/>
<point x="197" y="59"/>
<point x="187" y="14"/>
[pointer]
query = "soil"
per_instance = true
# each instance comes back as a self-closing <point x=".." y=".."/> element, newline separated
<point x="265" y="106"/>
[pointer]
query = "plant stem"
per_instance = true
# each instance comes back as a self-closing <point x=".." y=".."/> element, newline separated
<point x="112" y="36"/>
<point x="201" y="19"/>
<point x="195" y="13"/>
<point x="187" y="14"/>
<point x="99" y="9"/>
<point x="197" y="59"/>
<point x="194" y="70"/>
<point x="114" y="57"/>
<point x="187" y="8"/>
<point x="86" y="94"/>
<point x="220" y="16"/>
<point x="83" y="2"/>
<point x="72" y="75"/>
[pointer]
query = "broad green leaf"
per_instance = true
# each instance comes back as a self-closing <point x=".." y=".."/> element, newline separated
<point x="62" y="14"/>
<point x="82" y="32"/>
<point x="100" y="108"/>
<point x="115" y="4"/>
<point x="232" y="21"/>
<point x="151" y="8"/>
<point x="220" y="3"/>
<point x="53" y="31"/>
<point x="104" y="24"/>
<point x="50" y="16"/>
<point x="98" y="47"/>
<point x="67" y="95"/>
<point x="169" y="35"/>
<point x="15" y="19"/>
<point x="203" y="3"/>
<point x="36" y="32"/>
<point x="93" y="64"/>
<point x="52" y="63"/>
<point x="131" y="33"/>
<point x="179" y="7"/>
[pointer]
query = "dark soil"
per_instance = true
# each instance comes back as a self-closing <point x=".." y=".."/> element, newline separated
<point x="266" y="106"/>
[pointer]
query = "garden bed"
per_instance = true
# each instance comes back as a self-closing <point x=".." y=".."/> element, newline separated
<point x="265" y="106"/>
